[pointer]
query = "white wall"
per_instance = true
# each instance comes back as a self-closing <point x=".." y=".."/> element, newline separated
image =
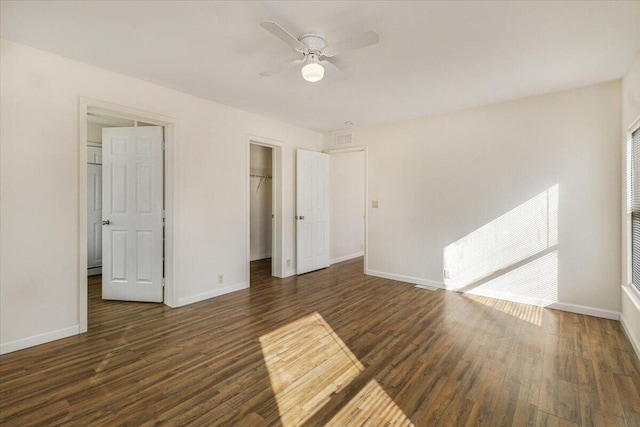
<point x="450" y="181"/>
<point x="260" y="201"/>
<point x="630" y="316"/>
<point x="347" y="205"/>
<point x="39" y="187"/>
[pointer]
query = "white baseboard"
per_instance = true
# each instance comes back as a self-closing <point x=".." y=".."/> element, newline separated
<point x="347" y="257"/>
<point x="583" y="309"/>
<point x="289" y="272"/>
<point x="407" y="279"/>
<point x="520" y="299"/>
<point x="572" y="308"/>
<point x="39" y="339"/>
<point x="210" y="294"/>
<point x="632" y="338"/>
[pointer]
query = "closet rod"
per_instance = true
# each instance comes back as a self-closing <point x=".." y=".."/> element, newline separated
<point x="259" y="176"/>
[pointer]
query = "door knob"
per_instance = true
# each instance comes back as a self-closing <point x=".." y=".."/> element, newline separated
<point x="106" y="222"/>
<point x="301" y="216"/>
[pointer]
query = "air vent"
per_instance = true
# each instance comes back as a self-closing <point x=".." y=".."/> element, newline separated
<point x="345" y="139"/>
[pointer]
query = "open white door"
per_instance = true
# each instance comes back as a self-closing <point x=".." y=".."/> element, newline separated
<point x="132" y="200"/>
<point x="312" y="211"/>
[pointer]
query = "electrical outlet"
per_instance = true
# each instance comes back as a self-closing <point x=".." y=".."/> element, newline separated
<point x="220" y="279"/>
<point x="446" y="274"/>
<point x="288" y="263"/>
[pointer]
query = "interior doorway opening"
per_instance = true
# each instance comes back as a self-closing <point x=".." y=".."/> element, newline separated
<point x="348" y="204"/>
<point x="136" y="175"/>
<point x="95" y="124"/>
<point x="261" y="209"/>
<point x="265" y="207"/>
<point x="148" y="140"/>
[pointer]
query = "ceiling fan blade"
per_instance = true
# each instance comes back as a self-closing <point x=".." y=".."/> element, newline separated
<point x="352" y="43"/>
<point x="275" y="29"/>
<point x="336" y="72"/>
<point x="275" y="70"/>
<point x="332" y="63"/>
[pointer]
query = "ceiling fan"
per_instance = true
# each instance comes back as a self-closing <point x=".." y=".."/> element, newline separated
<point x="314" y="50"/>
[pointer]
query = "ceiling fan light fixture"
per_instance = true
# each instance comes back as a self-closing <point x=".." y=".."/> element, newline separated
<point x="313" y="71"/>
<point x="313" y="46"/>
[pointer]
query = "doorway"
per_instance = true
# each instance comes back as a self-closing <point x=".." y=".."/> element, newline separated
<point x="261" y="214"/>
<point x="147" y="139"/>
<point x="265" y="219"/>
<point x="348" y="203"/>
<point x="125" y="195"/>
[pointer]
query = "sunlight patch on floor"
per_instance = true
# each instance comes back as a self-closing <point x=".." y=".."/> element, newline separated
<point x="307" y="363"/>
<point x="371" y="406"/>
<point x="526" y="312"/>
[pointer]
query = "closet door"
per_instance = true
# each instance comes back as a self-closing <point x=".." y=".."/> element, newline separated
<point x="94" y="206"/>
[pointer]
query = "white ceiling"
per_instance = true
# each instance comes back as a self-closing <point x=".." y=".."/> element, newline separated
<point x="433" y="57"/>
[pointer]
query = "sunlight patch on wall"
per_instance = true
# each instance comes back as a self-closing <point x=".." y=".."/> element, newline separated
<point x="372" y="406"/>
<point x="533" y="283"/>
<point x="526" y="312"/>
<point x="515" y="236"/>
<point x="307" y="363"/>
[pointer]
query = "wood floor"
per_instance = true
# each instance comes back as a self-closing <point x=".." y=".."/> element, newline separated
<point x="332" y="347"/>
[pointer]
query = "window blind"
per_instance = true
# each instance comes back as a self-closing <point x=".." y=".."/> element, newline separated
<point x="635" y="208"/>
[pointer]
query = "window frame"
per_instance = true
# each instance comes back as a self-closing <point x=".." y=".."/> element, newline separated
<point x="628" y="209"/>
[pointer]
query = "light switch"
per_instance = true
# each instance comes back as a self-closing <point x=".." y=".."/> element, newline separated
<point x="374" y="203"/>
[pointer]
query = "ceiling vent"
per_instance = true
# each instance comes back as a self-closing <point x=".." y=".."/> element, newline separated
<point x="345" y="139"/>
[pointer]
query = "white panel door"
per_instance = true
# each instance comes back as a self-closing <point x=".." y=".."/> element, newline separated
<point x="94" y="207"/>
<point x="312" y="211"/>
<point x="132" y="199"/>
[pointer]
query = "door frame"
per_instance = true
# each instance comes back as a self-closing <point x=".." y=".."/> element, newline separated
<point x="366" y="194"/>
<point x="278" y="268"/>
<point x="88" y="105"/>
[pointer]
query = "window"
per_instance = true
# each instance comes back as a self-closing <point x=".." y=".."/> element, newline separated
<point x="633" y="204"/>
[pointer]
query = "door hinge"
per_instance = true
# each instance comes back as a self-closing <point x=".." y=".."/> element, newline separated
<point x="163" y="145"/>
<point x="164" y="213"/>
<point x="163" y="282"/>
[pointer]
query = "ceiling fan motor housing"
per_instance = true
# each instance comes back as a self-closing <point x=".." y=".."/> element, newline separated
<point x="314" y="42"/>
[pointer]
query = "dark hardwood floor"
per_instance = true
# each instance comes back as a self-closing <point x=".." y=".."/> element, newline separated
<point x="333" y="347"/>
